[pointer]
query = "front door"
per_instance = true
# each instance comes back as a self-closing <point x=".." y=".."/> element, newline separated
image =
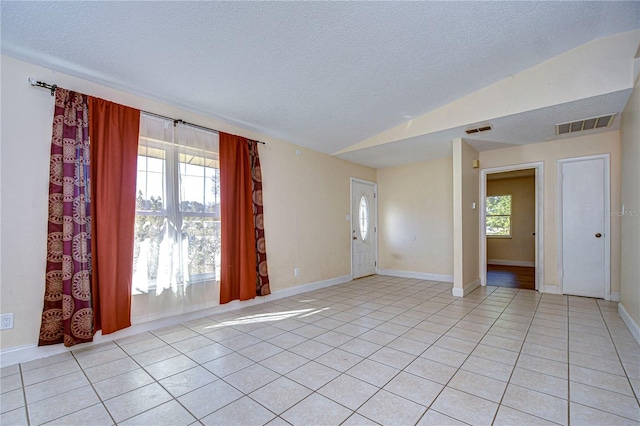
<point x="584" y="227"/>
<point x="363" y="228"/>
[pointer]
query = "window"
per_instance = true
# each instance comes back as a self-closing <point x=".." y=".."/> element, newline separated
<point x="498" y="216"/>
<point x="363" y="217"/>
<point x="177" y="227"/>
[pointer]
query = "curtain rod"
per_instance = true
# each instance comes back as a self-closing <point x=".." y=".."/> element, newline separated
<point x="53" y="87"/>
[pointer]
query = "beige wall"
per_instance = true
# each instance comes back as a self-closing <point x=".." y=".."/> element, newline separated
<point x="549" y="153"/>
<point x="466" y="219"/>
<point x="630" y="245"/>
<point x="521" y="246"/>
<point x="306" y="196"/>
<point x="415" y="217"/>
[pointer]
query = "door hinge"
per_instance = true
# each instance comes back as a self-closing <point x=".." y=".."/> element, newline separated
<point x="375" y="229"/>
<point x="375" y="263"/>
<point x="374" y="195"/>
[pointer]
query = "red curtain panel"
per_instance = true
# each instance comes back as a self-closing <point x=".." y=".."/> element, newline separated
<point x="67" y="315"/>
<point x="238" y="252"/>
<point x="113" y="131"/>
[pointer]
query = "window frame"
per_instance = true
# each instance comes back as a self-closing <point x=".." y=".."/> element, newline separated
<point x="509" y="216"/>
<point x="172" y="206"/>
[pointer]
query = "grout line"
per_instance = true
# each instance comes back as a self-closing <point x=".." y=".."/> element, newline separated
<point x="24" y="395"/>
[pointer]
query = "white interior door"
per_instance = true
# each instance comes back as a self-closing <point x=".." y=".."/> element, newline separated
<point x="585" y="236"/>
<point x="363" y="228"/>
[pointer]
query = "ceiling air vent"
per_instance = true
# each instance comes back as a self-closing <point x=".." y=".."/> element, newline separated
<point x="478" y="129"/>
<point x="585" y="124"/>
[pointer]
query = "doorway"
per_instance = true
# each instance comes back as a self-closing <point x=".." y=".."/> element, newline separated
<point x="584" y="244"/>
<point x="511" y="226"/>
<point x="364" y="228"/>
<point x="510" y="229"/>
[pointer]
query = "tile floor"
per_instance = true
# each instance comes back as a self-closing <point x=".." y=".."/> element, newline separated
<point x="378" y="350"/>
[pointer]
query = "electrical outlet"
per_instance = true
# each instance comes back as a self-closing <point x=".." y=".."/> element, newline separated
<point x="6" y="321"/>
<point x="296" y="272"/>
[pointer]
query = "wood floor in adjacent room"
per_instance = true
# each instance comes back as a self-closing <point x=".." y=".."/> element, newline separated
<point x="521" y="277"/>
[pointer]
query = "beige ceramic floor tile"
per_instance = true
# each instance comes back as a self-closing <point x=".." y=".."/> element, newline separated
<point x="414" y="388"/>
<point x="348" y="391"/>
<point x="62" y="405"/>
<point x="209" y="398"/>
<point x="48" y="371"/>
<point x="389" y="409"/>
<point x="432" y="417"/>
<point x="508" y="417"/>
<point x="431" y="370"/>
<point x="14" y="417"/>
<point x="137" y="401"/>
<point x="169" y="367"/>
<point x="227" y="364"/>
<point x="600" y="379"/>
<point x="170" y="414"/>
<point x="280" y="395"/>
<point x="540" y="382"/>
<point x="373" y="372"/>
<point x="188" y="380"/>
<point x="96" y="415"/>
<point x="244" y="411"/>
<point x="339" y="360"/>
<point x="543" y="365"/>
<point x="445" y="356"/>
<point x="465" y="407"/>
<point x="486" y="367"/>
<point x="605" y="400"/>
<point x="357" y="420"/>
<point x="583" y="415"/>
<point x="284" y="362"/>
<point x="139" y="346"/>
<point x="251" y="378"/>
<point x="313" y="375"/>
<point x="475" y="384"/>
<point x="537" y="404"/>
<point x="316" y="410"/>
<point x="392" y="357"/>
<point x="11" y="400"/>
<point x="122" y="383"/>
<point x="52" y="387"/>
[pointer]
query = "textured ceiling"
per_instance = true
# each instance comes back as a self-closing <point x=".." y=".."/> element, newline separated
<point x="325" y="75"/>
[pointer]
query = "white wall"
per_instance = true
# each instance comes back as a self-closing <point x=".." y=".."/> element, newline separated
<point x="306" y="197"/>
<point x="415" y="218"/>
<point x="630" y="245"/>
<point x="549" y="153"/>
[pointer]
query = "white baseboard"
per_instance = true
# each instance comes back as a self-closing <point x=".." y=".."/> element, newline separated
<point x="614" y="297"/>
<point x="551" y="289"/>
<point x="511" y="262"/>
<point x="416" y="275"/>
<point x="630" y="322"/>
<point x="31" y="352"/>
<point x="468" y="288"/>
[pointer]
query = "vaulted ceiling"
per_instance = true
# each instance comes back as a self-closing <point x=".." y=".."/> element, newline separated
<point x="378" y="83"/>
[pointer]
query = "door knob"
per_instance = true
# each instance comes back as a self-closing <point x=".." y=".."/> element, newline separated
<point x="598" y="235"/>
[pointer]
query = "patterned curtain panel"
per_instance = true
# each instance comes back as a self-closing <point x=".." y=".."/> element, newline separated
<point x="67" y="315"/>
<point x="262" y="274"/>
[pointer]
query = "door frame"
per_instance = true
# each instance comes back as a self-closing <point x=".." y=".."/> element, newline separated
<point x="607" y="221"/>
<point x="353" y="180"/>
<point x="539" y="214"/>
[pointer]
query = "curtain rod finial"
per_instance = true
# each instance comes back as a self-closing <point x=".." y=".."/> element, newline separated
<point x="32" y="81"/>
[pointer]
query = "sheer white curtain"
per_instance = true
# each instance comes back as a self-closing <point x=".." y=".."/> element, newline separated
<point x="177" y="237"/>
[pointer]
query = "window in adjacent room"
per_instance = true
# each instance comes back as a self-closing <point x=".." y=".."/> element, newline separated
<point x="498" y="216"/>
